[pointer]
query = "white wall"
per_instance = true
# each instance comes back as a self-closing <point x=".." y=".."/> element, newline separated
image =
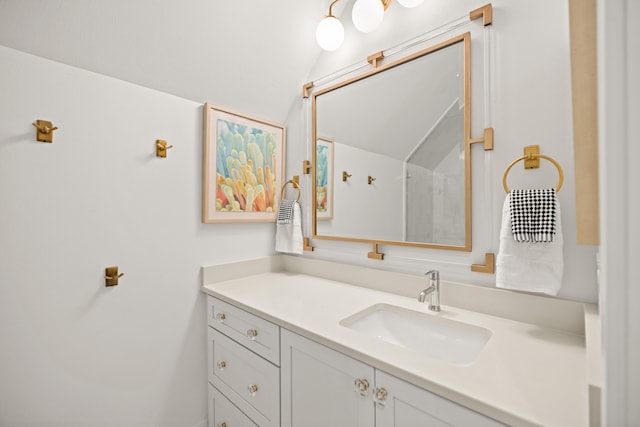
<point x="531" y="105"/>
<point x="73" y="352"/>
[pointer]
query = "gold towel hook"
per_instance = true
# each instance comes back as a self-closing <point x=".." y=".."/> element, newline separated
<point x="162" y="147"/>
<point x="295" y="185"/>
<point x="533" y="156"/>
<point x="111" y="276"/>
<point x="45" y="130"/>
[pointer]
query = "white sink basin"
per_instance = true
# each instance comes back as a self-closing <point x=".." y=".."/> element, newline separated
<point x="432" y="335"/>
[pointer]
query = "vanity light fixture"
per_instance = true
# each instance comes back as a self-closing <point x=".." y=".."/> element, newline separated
<point x="366" y="15"/>
<point x="330" y="32"/>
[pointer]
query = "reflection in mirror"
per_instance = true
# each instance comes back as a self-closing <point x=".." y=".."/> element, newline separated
<point x="406" y="124"/>
<point x="324" y="178"/>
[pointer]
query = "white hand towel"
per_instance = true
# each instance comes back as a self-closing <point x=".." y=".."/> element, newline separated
<point x="289" y="233"/>
<point x="529" y="266"/>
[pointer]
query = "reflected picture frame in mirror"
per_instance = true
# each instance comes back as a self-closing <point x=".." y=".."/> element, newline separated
<point x="324" y="178"/>
<point x="386" y="229"/>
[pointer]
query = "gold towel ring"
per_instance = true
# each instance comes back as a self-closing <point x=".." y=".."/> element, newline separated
<point x="529" y="156"/>
<point x="295" y="185"/>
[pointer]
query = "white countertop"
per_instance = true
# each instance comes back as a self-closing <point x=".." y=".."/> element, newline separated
<point x="525" y="375"/>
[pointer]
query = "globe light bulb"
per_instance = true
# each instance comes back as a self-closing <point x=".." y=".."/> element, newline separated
<point x="367" y="15"/>
<point x="330" y="33"/>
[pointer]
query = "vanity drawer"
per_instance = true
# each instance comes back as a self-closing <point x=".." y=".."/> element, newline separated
<point x="224" y="413"/>
<point x="248" y="380"/>
<point x="256" y="334"/>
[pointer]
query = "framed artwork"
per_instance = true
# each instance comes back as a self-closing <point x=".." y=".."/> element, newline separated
<point x="324" y="178"/>
<point x="243" y="167"/>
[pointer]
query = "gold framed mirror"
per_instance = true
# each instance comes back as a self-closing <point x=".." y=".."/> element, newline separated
<point x="401" y="136"/>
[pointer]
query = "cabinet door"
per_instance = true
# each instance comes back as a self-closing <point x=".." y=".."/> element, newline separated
<point x="319" y="386"/>
<point x="400" y="404"/>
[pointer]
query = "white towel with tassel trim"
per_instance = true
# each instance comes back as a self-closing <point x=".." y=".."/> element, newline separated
<point x="529" y="266"/>
<point x="289" y="228"/>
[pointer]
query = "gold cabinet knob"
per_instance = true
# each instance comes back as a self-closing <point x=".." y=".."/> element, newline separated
<point x="252" y="389"/>
<point x="220" y="317"/>
<point x="252" y="334"/>
<point x="362" y="386"/>
<point x="221" y="365"/>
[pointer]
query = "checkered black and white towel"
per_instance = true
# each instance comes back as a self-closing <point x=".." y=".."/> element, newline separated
<point x="285" y="211"/>
<point x="533" y="215"/>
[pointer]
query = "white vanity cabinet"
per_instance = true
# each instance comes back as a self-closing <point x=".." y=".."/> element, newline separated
<point x="318" y="386"/>
<point x="405" y="405"/>
<point x="243" y="359"/>
<point x="322" y="387"/>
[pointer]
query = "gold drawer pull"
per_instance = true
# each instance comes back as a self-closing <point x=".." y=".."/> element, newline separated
<point x="253" y="389"/>
<point x="252" y="334"/>
<point x="221" y="365"/>
<point x="220" y="317"/>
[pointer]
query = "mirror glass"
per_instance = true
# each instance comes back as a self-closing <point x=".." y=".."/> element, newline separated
<point x="391" y="152"/>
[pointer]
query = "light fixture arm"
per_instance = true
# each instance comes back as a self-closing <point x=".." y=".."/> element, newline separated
<point x="331" y="8"/>
<point x="366" y="15"/>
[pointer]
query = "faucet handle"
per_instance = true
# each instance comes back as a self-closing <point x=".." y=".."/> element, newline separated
<point x="434" y="274"/>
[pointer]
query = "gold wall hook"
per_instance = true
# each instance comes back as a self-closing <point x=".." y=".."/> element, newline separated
<point x="111" y="276"/>
<point x="44" y="131"/>
<point x="162" y="147"/>
<point x="370" y="179"/>
<point x="345" y="176"/>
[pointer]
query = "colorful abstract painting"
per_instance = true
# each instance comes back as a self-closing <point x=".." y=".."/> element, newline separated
<point x="243" y="170"/>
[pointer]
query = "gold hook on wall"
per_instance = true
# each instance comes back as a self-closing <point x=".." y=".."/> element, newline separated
<point x="44" y="131"/>
<point x="111" y="276"/>
<point x="345" y="176"/>
<point x="370" y="179"/>
<point x="162" y="147"/>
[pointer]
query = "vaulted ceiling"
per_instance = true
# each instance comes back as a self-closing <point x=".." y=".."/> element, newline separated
<point x="252" y="55"/>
